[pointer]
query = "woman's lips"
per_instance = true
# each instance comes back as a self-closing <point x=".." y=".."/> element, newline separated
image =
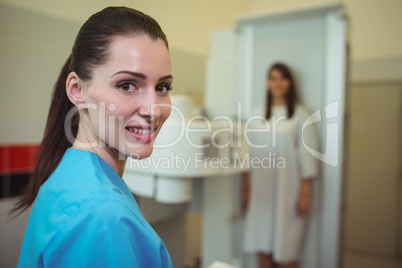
<point x="142" y="133"/>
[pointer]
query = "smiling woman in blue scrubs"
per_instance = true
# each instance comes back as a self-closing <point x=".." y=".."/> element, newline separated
<point x="109" y="102"/>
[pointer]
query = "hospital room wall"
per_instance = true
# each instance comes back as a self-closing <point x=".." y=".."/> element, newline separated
<point x="373" y="25"/>
<point x="186" y="23"/>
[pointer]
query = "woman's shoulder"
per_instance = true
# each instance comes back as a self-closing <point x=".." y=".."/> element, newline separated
<point x="108" y="206"/>
<point x="111" y="213"/>
<point x="77" y="180"/>
<point x="82" y="197"/>
<point x="109" y="224"/>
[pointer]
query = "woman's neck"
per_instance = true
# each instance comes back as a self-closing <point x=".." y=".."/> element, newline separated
<point x="112" y="156"/>
<point x="278" y="101"/>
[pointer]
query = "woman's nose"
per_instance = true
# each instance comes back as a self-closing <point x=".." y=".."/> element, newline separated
<point x="150" y="106"/>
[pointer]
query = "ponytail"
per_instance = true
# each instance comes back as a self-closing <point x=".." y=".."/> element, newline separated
<point x="54" y="143"/>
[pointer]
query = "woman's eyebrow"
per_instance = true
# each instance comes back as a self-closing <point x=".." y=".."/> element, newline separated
<point x="166" y="77"/>
<point x="139" y="75"/>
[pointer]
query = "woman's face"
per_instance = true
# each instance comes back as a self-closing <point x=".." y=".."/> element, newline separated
<point x="277" y="84"/>
<point x="130" y="93"/>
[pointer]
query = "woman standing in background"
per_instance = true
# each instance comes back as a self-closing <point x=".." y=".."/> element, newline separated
<point x="278" y="197"/>
<point x="109" y="102"/>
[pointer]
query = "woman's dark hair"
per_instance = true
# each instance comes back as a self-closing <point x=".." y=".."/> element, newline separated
<point x="90" y="50"/>
<point x="291" y="96"/>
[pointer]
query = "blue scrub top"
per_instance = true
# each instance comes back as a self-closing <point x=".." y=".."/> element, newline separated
<point x="85" y="216"/>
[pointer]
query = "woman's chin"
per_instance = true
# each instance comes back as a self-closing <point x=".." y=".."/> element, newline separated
<point x="139" y="153"/>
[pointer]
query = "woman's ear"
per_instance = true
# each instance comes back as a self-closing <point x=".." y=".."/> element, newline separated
<point x="74" y="89"/>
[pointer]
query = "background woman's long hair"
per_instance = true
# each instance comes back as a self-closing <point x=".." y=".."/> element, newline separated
<point x="291" y="96"/>
<point x="90" y="50"/>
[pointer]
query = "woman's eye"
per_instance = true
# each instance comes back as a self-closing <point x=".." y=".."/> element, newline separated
<point x="163" y="88"/>
<point x="126" y="86"/>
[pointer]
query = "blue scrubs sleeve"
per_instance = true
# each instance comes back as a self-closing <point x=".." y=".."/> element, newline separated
<point x="106" y="233"/>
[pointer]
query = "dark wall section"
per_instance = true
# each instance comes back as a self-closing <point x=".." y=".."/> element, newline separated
<point x="16" y="164"/>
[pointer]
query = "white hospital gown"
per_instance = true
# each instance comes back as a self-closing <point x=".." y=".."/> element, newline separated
<point x="272" y="223"/>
